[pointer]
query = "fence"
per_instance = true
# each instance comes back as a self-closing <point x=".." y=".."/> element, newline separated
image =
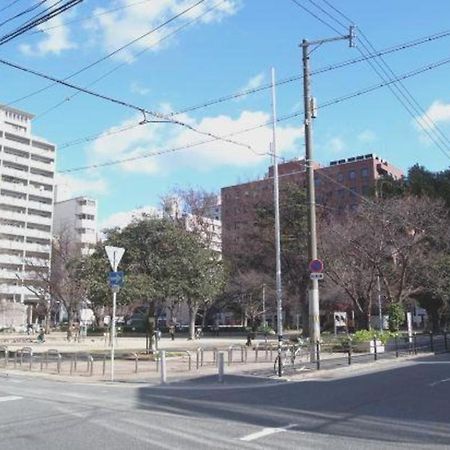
<point x="321" y="355"/>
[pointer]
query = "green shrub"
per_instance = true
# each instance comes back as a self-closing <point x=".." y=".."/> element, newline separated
<point x="369" y="335"/>
<point x="396" y="316"/>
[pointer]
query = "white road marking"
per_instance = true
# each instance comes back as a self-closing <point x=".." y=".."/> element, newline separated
<point x="439" y="382"/>
<point x="267" y="432"/>
<point x="10" y="398"/>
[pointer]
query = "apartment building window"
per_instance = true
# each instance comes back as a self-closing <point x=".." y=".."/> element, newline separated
<point x="351" y="175"/>
<point x="364" y="172"/>
<point x="86" y="216"/>
<point x="85" y="202"/>
<point x="340" y="177"/>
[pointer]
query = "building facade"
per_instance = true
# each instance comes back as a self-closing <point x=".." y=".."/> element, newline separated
<point x="340" y="187"/>
<point x="77" y="218"/>
<point x="27" y="169"/>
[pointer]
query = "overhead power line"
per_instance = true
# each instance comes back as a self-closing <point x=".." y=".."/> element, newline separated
<point x="118" y="66"/>
<point x="39" y="19"/>
<point x="401" y="93"/>
<point x="89" y="18"/>
<point x="144" y="111"/>
<point x="280" y="119"/>
<point x="111" y="54"/>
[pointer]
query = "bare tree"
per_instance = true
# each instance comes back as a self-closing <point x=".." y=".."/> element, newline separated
<point x="391" y="239"/>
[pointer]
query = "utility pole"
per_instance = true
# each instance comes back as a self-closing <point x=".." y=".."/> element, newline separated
<point x="276" y="198"/>
<point x="309" y="114"/>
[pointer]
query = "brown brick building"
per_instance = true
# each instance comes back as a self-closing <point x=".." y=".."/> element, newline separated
<point x="339" y="187"/>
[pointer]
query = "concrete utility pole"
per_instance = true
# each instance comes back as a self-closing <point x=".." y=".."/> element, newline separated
<point x="309" y="114"/>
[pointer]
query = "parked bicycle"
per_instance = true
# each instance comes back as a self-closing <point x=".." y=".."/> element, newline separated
<point x="295" y="355"/>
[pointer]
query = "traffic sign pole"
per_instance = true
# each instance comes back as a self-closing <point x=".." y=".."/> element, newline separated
<point x="114" y="255"/>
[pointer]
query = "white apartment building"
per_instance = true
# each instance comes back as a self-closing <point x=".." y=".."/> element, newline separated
<point x="77" y="218"/>
<point x="27" y="168"/>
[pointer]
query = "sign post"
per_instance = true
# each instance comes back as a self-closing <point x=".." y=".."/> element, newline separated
<point x="115" y="282"/>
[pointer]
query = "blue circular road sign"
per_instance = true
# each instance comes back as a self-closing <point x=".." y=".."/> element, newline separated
<point x="316" y="266"/>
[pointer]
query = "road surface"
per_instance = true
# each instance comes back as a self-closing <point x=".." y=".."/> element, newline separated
<point x="404" y="406"/>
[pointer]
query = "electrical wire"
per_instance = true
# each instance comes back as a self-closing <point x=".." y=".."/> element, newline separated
<point x="9" y="5"/>
<point x="280" y="119"/>
<point x="39" y="20"/>
<point x="89" y="18"/>
<point x="117" y="67"/>
<point x="109" y="55"/>
<point x="397" y="92"/>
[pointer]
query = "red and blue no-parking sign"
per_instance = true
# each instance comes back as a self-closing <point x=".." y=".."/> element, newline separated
<point x="316" y="266"/>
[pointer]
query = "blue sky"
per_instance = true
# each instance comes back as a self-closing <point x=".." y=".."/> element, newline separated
<point x="230" y="48"/>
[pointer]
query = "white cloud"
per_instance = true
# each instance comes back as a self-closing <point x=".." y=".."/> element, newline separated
<point x="253" y="83"/>
<point x="438" y="112"/>
<point x="214" y="153"/>
<point x="69" y="186"/>
<point x="123" y="218"/>
<point x="136" y="88"/>
<point x="116" y="29"/>
<point x="367" y="136"/>
<point x="56" y="40"/>
<point x="335" y="145"/>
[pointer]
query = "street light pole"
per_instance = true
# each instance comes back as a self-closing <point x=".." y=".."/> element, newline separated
<point x="313" y="289"/>
<point x="276" y="198"/>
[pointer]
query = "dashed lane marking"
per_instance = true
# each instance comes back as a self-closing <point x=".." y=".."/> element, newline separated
<point x="266" y="432"/>
<point x="10" y="398"/>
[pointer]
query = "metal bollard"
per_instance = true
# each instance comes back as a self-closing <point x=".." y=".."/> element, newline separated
<point x="136" y="359"/>
<point x="197" y="359"/>
<point x="104" y="364"/>
<point x="189" y="360"/>
<point x="318" y="355"/>
<point x="396" y="346"/>
<point x="415" y="343"/>
<point x="162" y="356"/>
<point x="221" y="366"/>
<point x="375" y="350"/>
<point x="90" y="365"/>
<point x="350" y="352"/>
<point x="431" y="342"/>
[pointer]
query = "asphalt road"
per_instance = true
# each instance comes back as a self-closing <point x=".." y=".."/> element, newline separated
<point x="406" y="406"/>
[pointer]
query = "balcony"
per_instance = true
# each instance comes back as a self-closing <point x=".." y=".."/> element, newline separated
<point x="30" y="232"/>
<point x="13" y="201"/>
<point x="9" y="274"/>
<point x="32" y="218"/>
<point x="40" y="191"/>
<point x="10" y="289"/>
<point x="41" y="248"/>
<point x="10" y="259"/>
<point x="40" y="206"/>
<point x="16" y="158"/>
<point x="11" y="245"/>
<point x="16" y="231"/>
<point x="15" y="173"/>
<point x="49" y="167"/>
<point x="41" y="179"/>
<point x="11" y="215"/>
<point x="15" y="187"/>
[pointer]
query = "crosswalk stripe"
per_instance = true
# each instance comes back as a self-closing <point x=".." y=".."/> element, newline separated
<point x="10" y="398"/>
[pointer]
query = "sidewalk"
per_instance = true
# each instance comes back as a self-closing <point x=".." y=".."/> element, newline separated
<point x="57" y="340"/>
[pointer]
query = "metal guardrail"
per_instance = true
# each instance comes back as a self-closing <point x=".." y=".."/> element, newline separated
<point x="89" y="363"/>
<point x="51" y="354"/>
<point x="242" y="348"/>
